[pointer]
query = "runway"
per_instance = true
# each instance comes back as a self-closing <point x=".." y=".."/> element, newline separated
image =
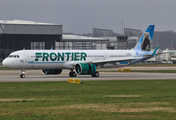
<point x="37" y="75"/>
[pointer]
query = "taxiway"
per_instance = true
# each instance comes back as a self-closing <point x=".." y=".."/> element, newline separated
<point x="37" y="75"/>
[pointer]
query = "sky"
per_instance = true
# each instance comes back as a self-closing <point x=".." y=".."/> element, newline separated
<point x="81" y="16"/>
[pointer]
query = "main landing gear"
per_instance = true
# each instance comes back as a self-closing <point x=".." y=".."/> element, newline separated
<point x="22" y="73"/>
<point x="96" y="74"/>
<point x="72" y="74"/>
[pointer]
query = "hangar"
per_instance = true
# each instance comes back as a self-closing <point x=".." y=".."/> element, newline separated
<point x="19" y="34"/>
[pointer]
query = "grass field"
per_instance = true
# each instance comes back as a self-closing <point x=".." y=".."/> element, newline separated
<point x="156" y="71"/>
<point x="153" y="65"/>
<point x="129" y="99"/>
<point x="153" y="71"/>
<point x="5" y="68"/>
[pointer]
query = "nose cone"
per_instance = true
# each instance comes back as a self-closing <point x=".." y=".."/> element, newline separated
<point x="5" y="63"/>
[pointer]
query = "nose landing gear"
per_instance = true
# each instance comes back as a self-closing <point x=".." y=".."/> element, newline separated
<point x="23" y="73"/>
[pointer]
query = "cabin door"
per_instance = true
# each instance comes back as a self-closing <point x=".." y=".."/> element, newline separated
<point x="27" y="57"/>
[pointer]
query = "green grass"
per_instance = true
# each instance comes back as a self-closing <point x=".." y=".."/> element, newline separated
<point x="153" y="71"/>
<point x="153" y="65"/>
<point x="5" y="68"/>
<point x="128" y="99"/>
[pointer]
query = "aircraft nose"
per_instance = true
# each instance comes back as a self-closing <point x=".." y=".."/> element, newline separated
<point x="5" y="63"/>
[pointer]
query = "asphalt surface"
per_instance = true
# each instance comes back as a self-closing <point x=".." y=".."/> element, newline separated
<point x="37" y="75"/>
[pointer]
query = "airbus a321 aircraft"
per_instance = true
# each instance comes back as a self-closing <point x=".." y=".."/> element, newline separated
<point x="84" y="62"/>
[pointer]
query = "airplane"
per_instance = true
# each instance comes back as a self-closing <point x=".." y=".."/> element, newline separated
<point x="82" y="62"/>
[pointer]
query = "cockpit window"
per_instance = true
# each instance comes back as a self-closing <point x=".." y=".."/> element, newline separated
<point x="14" y="56"/>
<point x="10" y="56"/>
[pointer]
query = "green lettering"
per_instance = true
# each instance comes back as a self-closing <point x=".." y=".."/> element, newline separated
<point x="37" y="56"/>
<point x="67" y="56"/>
<point x="72" y="57"/>
<point x="60" y="56"/>
<point x="53" y="56"/>
<point x="83" y="56"/>
<point x="45" y="56"/>
<point x="76" y="57"/>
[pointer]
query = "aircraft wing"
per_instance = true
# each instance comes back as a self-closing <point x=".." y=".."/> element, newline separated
<point x="110" y="60"/>
<point x="103" y="61"/>
<point x="113" y="60"/>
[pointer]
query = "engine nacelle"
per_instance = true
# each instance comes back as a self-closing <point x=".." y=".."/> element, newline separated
<point x="85" y="68"/>
<point x="52" y="71"/>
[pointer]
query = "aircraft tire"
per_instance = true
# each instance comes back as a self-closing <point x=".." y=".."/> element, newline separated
<point x="22" y="76"/>
<point x="72" y="74"/>
<point x="96" y="74"/>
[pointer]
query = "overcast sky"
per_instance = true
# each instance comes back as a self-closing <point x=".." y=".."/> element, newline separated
<point x="81" y="16"/>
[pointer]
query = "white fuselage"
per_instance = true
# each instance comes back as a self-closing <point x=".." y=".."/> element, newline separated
<point x="62" y="59"/>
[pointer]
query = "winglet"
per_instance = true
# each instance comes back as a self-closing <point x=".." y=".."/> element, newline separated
<point x="154" y="52"/>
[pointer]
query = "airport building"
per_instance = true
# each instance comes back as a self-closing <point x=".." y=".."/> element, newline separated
<point x="132" y="41"/>
<point x="116" y="41"/>
<point x="75" y="42"/>
<point x="18" y="35"/>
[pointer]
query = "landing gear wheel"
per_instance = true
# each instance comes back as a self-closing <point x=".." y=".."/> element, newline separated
<point x="22" y="76"/>
<point x="96" y="74"/>
<point x="72" y="74"/>
<point x="22" y="73"/>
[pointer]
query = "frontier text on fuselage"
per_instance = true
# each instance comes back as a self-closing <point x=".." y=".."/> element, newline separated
<point x="67" y="56"/>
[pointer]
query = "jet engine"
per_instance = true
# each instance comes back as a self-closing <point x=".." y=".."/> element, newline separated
<point x="52" y="71"/>
<point x="85" y="68"/>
